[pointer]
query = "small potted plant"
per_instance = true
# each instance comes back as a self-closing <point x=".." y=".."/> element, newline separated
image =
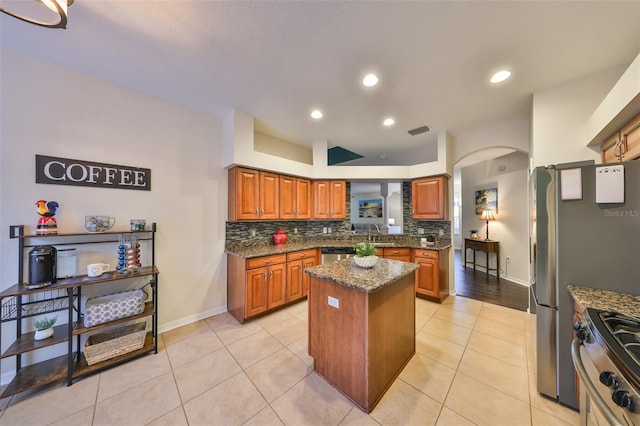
<point x="44" y="327"/>
<point x="365" y="255"/>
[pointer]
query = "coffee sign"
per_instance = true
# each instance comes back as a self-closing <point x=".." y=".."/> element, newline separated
<point x="64" y="171"/>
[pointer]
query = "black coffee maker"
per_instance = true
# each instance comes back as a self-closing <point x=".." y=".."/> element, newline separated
<point x="42" y="266"/>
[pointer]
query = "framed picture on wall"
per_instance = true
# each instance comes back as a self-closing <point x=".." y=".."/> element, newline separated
<point x="370" y="208"/>
<point x="487" y="199"/>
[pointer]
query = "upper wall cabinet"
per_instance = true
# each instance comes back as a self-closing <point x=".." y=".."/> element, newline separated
<point x="329" y="199"/>
<point x="253" y="194"/>
<point x="295" y="198"/>
<point x="624" y="145"/>
<point x="428" y="198"/>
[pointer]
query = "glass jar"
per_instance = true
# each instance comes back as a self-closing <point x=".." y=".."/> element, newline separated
<point x="67" y="262"/>
<point x="138" y="224"/>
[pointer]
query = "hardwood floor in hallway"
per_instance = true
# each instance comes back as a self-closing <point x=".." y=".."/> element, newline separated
<point x="476" y="285"/>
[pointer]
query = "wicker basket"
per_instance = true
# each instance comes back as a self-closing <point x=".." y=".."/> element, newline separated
<point x="102" y="346"/>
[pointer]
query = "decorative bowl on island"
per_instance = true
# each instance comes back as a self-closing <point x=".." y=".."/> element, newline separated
<point x="365" y="255"/>
<point x="365" y="261"/>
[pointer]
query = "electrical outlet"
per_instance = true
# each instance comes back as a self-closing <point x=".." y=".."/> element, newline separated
<point x="253" y="232"/>
<point x="329" y="229"/>
<point x="441" y="232"/>
<point x="332" y="301"/>
<point x="421" y="231"/>
<point x="295" y="230"/>
<point x="324" y="230"/>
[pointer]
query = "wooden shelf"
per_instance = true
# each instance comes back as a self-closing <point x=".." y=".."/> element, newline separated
<point x="36" y="375"/>
<point x="83" y="368"/>
<point x="80" y="280"/>
<point x="148" y="311"/>
<point x="26" y="342"/>
<point x="19" y="302"/>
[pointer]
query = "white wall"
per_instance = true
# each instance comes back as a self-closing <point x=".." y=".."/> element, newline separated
<point x="511" y="227"/>
<point x="560" y="130"/>
<point x="53" y="111"/>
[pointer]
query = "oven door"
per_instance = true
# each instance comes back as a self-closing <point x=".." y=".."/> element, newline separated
<point x="594" y="410"/>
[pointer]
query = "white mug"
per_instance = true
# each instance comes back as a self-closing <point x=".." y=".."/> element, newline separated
<point x="97" y="269"/>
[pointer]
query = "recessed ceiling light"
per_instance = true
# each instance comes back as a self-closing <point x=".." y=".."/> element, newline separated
<point x="500" y="76"/>
<point x="370" y="80"/>
<point x="389" y="121"/>
<point x="317" y="114"/>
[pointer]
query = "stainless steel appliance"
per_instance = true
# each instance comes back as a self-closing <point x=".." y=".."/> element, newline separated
<point x="606" y="354"/>
<point x="42" y="266"/>
<point x="331" y="254"/>
<point x="579" y="242"/>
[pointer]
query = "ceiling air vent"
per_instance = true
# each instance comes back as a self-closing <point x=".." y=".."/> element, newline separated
<point x="419" y="130"/>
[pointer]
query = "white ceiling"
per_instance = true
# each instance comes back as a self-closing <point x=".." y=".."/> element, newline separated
<point x="278" y="60"/>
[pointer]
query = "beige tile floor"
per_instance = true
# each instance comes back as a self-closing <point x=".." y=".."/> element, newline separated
<point x="473" y="366"/>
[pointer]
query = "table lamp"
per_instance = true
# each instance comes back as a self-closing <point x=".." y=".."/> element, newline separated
<point x="487" y="215"/>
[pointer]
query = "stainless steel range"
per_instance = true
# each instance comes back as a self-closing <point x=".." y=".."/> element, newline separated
<point x="606" y="354"/>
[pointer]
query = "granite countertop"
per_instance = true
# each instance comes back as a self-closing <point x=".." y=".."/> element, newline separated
<point x="606" y="300"/>
<point x="369" y="280"/>
<point x="266" y="249"/>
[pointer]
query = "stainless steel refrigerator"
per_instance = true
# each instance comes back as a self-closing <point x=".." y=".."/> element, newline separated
<point x="581" y="242"/>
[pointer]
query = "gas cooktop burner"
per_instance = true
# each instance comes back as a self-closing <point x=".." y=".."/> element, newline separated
<point x="626" y="331"/>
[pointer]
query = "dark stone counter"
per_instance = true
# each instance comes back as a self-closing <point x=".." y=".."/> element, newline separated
<point x="369" y="280"/>
<point x="606" y="300"/>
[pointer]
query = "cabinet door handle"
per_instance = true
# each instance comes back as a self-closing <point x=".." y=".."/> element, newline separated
<point x="257" y="212"/>
<point x="268" y="261"/>
<point x="265" y="276"/>
<point x="270" y="275"/>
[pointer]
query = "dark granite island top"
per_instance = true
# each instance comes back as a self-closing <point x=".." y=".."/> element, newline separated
<point x="370" y="280"/>
<point x="606" y="300"/>
<point x="362" y="325"/>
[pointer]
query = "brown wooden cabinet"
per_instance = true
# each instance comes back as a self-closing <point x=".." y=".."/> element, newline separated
<point x="266" y="287"/>
<point x="611" y="149"/>
<point x="253" y="194"/>
<point x="295" y="198"/>
<point x="428" y="198"/>
<point x="261" y="284"/>
<point x="630" y="135"/>
<point x="402" y="254"/>
<point x="255" y="285"/>
<point x="329" y="199"/>
<point x="624" y="145"/>
<point x="297" y="280"/>
<point x="432" y="279"/>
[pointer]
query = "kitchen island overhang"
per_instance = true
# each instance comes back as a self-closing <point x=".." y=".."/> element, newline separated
<point x="362" y="326"/>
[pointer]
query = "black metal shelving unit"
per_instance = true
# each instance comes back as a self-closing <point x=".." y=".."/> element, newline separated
<point x="19" y="302"/>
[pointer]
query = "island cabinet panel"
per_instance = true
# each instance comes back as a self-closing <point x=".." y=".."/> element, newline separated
<point x="253" y="194"/>
<point x="362" y="345"/>
<point x="432" y="279"/>
<point x="428" y="198"/>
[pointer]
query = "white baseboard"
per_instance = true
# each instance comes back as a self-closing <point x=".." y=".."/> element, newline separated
<point x="162" y="328"/>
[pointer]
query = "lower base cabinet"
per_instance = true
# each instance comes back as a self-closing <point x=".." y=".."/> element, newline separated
<point x="261" y="284"/>
<point x="432" y="279"/>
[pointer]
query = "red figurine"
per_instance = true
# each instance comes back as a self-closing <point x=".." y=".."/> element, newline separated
<point x="47" y="223"/>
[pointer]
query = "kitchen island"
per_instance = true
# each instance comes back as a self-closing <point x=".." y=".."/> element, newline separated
<point x="362" y="325"/>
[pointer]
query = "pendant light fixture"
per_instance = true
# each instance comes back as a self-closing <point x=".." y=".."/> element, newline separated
<point x="58" y="7"/>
